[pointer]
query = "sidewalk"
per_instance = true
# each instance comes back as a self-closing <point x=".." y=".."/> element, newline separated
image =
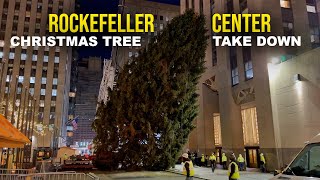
<point x="220" y="174"/>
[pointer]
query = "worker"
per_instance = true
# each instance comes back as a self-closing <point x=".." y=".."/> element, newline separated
<point x="233" y="170"/>
<point x="188" y="170"/>
<point x="224" y="161"/>
<point x="213" y="160"/>
<point x="65" y="156"/>
<point x="262" y="163"/>
<point x="203" y="160"/>
<point x="241" y="162"/>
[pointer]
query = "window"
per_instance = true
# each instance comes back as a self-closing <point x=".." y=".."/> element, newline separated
<point x="161" y="26"/>
<point x="17" y="6"/>
<point x="32" y="91"/>
<point x="306" y="163"/>
<point x="23" y="56"/>
<point x="54" y="92"/>
<point x="55" y="81"/>
<point x="243" y="6"/>
<point x="201" y="6"/>
<point x="34" y="57"/>
<point x="45" y="58"/>
<point x="217" y="130"/>
<point x="314" y="34"/>
<point x="11" y="55"/>
<point x="39" y="8"/>
<point x="43" y="92"/>
<point x="161" y="18"/>
<point x="41" y="103"/>
<point x="230" y="8"/>
<point x="234" y="66"/>
<point x="28" y="8"/>
<point x="187" y="4"/>
<point x="20" y="79"/>
<point x="246" y="52"/>
<point x="285" y="3"/>
<point x="250" y="127"/>
<point x="56" y="59"/>
<point x="235" y="76"/>
<point x="19" y="90"/>
<point x="43" y="80"/>
<point x="288" y="28"/>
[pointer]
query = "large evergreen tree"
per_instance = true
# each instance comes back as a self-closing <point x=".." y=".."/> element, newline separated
<point x="149" y="116"/>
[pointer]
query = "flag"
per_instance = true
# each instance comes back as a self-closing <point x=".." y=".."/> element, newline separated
<point x="75" y="123"/>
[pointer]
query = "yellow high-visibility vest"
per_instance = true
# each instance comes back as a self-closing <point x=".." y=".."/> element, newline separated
<point x="203" y="159"/>
<point x="262" y="159"/>
<point x="224" y="158"/>
<point x="236" y="174"/>
<point x="240" y="159"/>
<point x="212" y="158"/>
<point x="184" y="171"/>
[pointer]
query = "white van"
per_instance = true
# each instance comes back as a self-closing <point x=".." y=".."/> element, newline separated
<point x="306" y="165"/>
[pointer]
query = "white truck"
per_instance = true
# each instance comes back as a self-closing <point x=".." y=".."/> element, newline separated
<point x="306" y="165"/>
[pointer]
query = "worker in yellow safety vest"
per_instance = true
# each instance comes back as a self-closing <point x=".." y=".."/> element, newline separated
<point x="203" y="160"/>
<point x="224" y="161"/>
<point x="213" y="160"/>
<point x="188" y="169"/>
<point x="241" y="162"/>
<point x="233" y="170"/>
<point x="262" y="163"/>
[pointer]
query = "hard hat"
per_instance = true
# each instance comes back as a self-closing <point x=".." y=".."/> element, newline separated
<point x="261" y="154"/>
<point x="185" y="155"/>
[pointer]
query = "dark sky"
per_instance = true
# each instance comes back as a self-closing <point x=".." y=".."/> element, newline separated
<point x="105" y="7"/>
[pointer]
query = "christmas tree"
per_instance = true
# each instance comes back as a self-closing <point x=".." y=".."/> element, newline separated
<point x="148" y="117"/>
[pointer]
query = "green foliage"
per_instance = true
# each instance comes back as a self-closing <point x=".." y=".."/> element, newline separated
<point x="149" y="116"/>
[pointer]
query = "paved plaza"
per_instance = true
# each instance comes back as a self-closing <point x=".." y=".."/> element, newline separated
<point x="175" y="173"/>
<point x="219" y="174"/>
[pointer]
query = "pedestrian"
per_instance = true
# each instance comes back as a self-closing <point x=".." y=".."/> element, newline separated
<point x="241" y="162"/>
<point x="233" y="170"/>
<point x="224" y="161"/>
<point x="213" y="160"/>
<point x="262" y="163"/>
<point x="189" y="154"/>
<point x="188" y="169"/>
<point x="207" y="161"/>
<point x="203" y="160"/>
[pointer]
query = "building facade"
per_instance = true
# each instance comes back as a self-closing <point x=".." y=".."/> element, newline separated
<point x="88" y="83"/>
<point x="163" y="13"/>
<point x="237" y="111"/>
<point x="39" y="74"/>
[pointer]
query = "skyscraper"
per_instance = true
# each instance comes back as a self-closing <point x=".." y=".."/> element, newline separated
<point x="44" y="72"/>
<point x="88" y="83"/>
<point x="163" y="13"/>
<point x="239" y="111"/>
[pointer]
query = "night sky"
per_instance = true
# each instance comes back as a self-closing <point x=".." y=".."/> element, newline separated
<point x="103" y="7"/>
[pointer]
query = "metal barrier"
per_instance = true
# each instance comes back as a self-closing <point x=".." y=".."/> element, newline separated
<point x="17" y="171"/>
<point x="58" y="176"/>
<point x="12" y="174"/>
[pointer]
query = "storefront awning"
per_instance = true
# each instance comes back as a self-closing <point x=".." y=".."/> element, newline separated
<point x="10" y="136"/>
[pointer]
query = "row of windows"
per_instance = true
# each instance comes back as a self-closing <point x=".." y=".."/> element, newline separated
<point x="24" y="56"/>
<point x="192" y="5"/>
<point x="247" y="62"/>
